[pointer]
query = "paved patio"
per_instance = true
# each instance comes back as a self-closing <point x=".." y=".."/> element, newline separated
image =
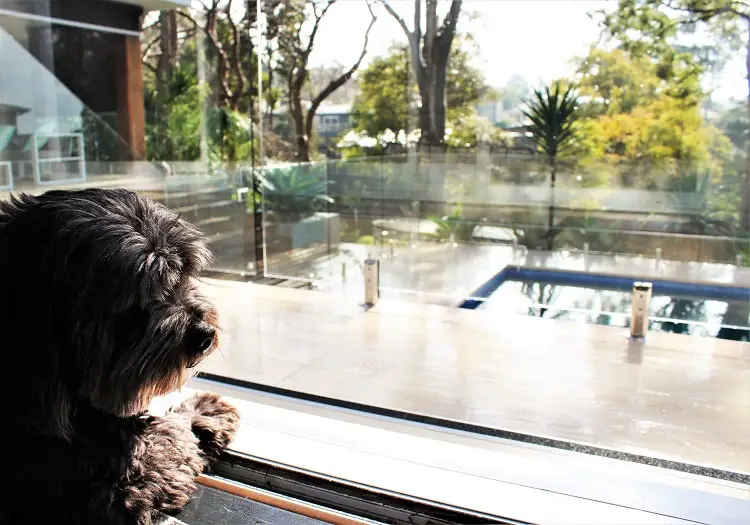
<point x="678" y="397"/>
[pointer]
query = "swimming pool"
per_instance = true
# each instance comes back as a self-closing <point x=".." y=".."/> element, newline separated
<point x="685" y="308"/>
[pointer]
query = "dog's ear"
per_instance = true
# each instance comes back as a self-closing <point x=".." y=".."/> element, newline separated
<point x="34" y="379"/>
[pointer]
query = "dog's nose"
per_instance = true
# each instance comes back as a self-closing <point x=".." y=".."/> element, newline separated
<point x="208" y="339"/>
<point x="200" y="338"/>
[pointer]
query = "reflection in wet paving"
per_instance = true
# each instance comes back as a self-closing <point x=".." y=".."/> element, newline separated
<point x="679" y="315"/>
<point x="678" y="397"/>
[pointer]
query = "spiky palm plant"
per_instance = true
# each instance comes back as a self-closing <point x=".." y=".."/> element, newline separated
<point x="294" y="192"/>
<point x="553" y="114"/>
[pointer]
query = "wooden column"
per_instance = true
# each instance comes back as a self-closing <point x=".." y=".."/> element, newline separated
<point x="131" y="117"/>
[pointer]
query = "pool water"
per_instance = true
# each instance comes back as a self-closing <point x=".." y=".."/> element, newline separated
<point x="701" y="317"/>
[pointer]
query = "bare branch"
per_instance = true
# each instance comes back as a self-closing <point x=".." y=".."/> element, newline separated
<point x="149" y="26"/>
<point x="150" y="66"/>
<point x="188" y="17"/>
<point x="148" y="46"/>
<point x="344" y="78"/>
<point x="398" y="19"/>
<point x="222" y="56"/>
<point x="705" y="13"/>
<point x="235" y="58"/>
<point x="318" y="18"/>
<point x="412" y="37"/>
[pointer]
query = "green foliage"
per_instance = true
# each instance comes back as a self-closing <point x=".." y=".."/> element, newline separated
<point x="177" y="135"/>
<point x="294" y="192"/>
<point x="367" y="240"/>
<point x="454" y="225"/>
<point x="613" y="82"/>
<point x="387" y="91"/>
<point x="180" y="113"/>
<point x="465" y="85"/>
<point x="735" y="125"/>
<point x="553" y="114"/>
<point x="651" y="28"/>
<point x="640" y="126"/>
<point x="470" y="130"/>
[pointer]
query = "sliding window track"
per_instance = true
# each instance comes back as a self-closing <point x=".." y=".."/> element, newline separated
<point x="357" y="500"/>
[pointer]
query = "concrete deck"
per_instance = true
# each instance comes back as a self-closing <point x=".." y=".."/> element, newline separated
<point x="678" y="397"/>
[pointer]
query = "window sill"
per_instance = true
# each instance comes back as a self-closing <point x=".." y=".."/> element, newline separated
<point x="488" y="475"/>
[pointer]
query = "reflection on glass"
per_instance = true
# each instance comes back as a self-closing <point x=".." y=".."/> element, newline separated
<point x="450" y="140"/>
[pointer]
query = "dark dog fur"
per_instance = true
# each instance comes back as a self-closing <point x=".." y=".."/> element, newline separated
<point x="101" y="314"/>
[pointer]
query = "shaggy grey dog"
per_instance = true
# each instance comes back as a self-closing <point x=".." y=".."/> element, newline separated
<point x="100" y="314"/>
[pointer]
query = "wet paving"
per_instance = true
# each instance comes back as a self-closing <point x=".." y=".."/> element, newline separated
<point x="674" y="396"/>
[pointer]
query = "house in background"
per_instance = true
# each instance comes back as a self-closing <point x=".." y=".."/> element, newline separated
<point x="331" y="121"/>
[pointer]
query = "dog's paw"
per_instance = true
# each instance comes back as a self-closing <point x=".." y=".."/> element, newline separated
<point x="213" y="420"/>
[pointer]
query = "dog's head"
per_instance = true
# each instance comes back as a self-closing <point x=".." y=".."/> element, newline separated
<point x="102" y="307"/>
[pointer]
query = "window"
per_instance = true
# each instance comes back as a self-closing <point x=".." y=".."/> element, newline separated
<point x="533" y="230"/>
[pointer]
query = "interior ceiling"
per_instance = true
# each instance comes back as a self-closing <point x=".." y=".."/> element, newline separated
<point x="158" y="4"/>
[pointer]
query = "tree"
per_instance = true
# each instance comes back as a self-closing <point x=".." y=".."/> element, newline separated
<point x="385" y="92"/>
<point x="227" y="43"/>
<point x="641" y="125"/>
<point x="553" y="114"/>
<point x="191" y="115"/>
<point x="197" y="62"/>
<point x="429" y="53"/>
<point x="295" y="46"/>
<point x="651" y="27"/>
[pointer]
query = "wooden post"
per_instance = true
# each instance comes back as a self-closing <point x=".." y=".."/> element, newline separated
<point x="131" y="118"/>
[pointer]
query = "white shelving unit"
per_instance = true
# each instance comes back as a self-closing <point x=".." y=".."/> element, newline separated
<point x="6" y="173"/>
<point x="74" y="154"/>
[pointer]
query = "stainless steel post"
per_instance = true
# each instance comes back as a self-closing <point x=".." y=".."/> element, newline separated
<point x="639" y="309"/>
<point x="372" y="281"/>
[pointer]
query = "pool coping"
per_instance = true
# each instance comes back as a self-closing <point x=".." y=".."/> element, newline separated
<point x="624" y="282"/>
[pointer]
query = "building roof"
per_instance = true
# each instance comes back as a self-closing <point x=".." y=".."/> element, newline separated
<point x="323" y="109"/>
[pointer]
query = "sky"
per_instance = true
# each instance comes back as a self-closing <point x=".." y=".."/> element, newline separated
<point x="536" y="39"/>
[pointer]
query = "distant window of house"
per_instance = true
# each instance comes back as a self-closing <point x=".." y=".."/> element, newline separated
<point x="328" y="123"/>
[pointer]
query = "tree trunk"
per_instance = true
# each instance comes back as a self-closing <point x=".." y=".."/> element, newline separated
<point x="295" y="103"/>
<point x="164" y="74"/>
<point x="430" y="65"/>
<point x="551" y="213"/>
<point x="429" y="54"/>
<point x="441" y="69"/>
<point x="745" y="203"/>
<point x="271" y="98"/>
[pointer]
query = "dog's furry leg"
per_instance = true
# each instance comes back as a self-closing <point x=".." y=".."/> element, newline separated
<point x="213" y="420"/>
<point x="162" y="469"/>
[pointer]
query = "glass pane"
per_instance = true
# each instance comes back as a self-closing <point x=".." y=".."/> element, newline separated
<point x="555" y="197"/>
<point x="513" y="192"/>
